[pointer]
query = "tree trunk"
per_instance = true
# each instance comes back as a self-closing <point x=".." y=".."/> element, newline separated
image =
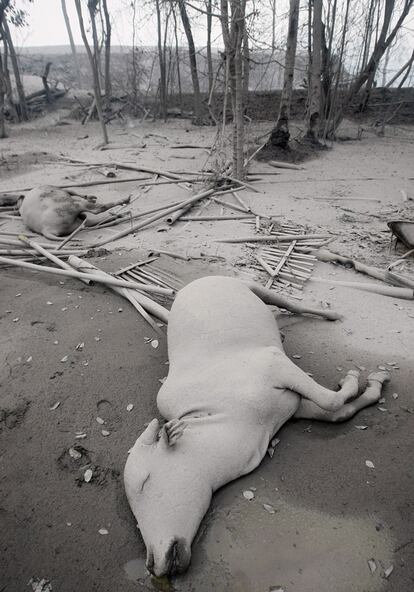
<point x="238" y="12"/>
<point x="385" y="70"/>
<point x="94" y="67"/>
<point x="314" y="108"/>
<point x="209" y="57"/>
<point x="245" y="70"/>
<point x="7" y="80"/>
<point x="72" y="43"/>
<point x="177" y="62"/>
<point x="233" y="34"/>
<point x="162" y="83"/>
<point x="2" y="95"/>
<point x="198" y="112"/>
<point x="108" y="33"/>
<point x="280" y="134"/>
<point x="22" y="108"/>
<point x="331" y="121"/>
<point x="4" y="4"/>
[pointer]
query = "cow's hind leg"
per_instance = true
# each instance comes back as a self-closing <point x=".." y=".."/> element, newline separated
<point x="95" y="208"/>
<point x="293" y="378"/>
<point x="371" y="395"/>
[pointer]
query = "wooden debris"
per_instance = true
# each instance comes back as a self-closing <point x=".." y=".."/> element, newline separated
<point x="379" y="274"/>
<point x="49" y="255"/>
<point x="142" y="303"/>
<point x="285" y="165"/>
<point x="101" y="278"/>
<point x="148" y="221"/>
<point x="274" y="238"/>
<point x="393" y="292"/>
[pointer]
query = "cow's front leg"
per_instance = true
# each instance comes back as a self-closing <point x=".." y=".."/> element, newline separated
<point x="294" y="379"/>
<point x="371" y="395"/>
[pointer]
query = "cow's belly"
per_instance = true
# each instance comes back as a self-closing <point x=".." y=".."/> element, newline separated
<point x="244" y="385"/>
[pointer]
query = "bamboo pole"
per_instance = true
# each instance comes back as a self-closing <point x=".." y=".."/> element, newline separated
<point x="241" y="202"/>
<point x="177" y="215"/>
<point x="213" y="218"/>
<point x="228" y="204"/>
<point x="393" y="291"/>
<point x="23" y="252"/>
<point x="107" y="279"/>
<point x="71" y="236"/>
<point x="138" y="264"/>
<point x="273" y="238"/>
<point x="148" y="221"/>
<point x="131" y="295"/>
<point x="149" y="305"/>
<point x="49" y="255"/>
<point x="285" y="165"/>
<point x="379" y="274"/>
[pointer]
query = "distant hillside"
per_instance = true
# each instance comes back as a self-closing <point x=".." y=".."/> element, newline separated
<point x="266" y="71"/>
<point x="51" y="50"/>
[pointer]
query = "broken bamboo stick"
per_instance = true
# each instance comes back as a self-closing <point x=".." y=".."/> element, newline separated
<point x="393" y="291"/>
<point x="147" y="303"/>
<point x="285" y="165"/>
<point x="148" y="221"/>
<point x="108" y="279"/>
<point x="213" y="218"/>
<point x="72" y="235"/>
<point x="273" y="238"/>
<point x="49" y="255"/>
<point x="172" y="218"/>
<point x="379" y="274"/>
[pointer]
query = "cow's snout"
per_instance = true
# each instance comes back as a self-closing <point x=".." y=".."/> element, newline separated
<point x="174" y="560"/>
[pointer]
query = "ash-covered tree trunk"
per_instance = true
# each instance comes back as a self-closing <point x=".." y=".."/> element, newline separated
<point x="22" y="107"/>
<point x="93" y="61"/>
<point x="2" y="96"/>
<point x="162" y="65"/>
<point x="233" y="27"/>
<point x="280" y="134"/>
<point x="198" y="111"/>
<point x="245" y="69"/>
<point x="72" y="43"/>
<point x="107" y="34"/>
<point x="314" y="100"/>
<point x="7" y="80"/>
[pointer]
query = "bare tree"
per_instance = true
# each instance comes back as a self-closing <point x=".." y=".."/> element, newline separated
<point x="17" y="16"/>
<point x="72" y="43"/>
<point x="107" y="38"/>
<point x="383" y="41"/>
<point x="198" y="112"/>
<point x="161" y="58"/>
<point x="280" y="134"/>
<point x="21" y="108"/>
<point x="233" y="26"/>
<point x="93" y="60"/>
<point x="314" y="100"/>
<point x="3" y="133"/>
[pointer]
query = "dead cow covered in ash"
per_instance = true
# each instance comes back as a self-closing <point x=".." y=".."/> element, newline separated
<point x="55" y="212"/>
<point x="229" y="389"/>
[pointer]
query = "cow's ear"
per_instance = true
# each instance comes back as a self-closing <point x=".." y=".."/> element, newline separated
<point x="150" y="435"/>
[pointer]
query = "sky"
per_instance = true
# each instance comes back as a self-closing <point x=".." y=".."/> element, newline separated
<point x="47" y="27"/>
